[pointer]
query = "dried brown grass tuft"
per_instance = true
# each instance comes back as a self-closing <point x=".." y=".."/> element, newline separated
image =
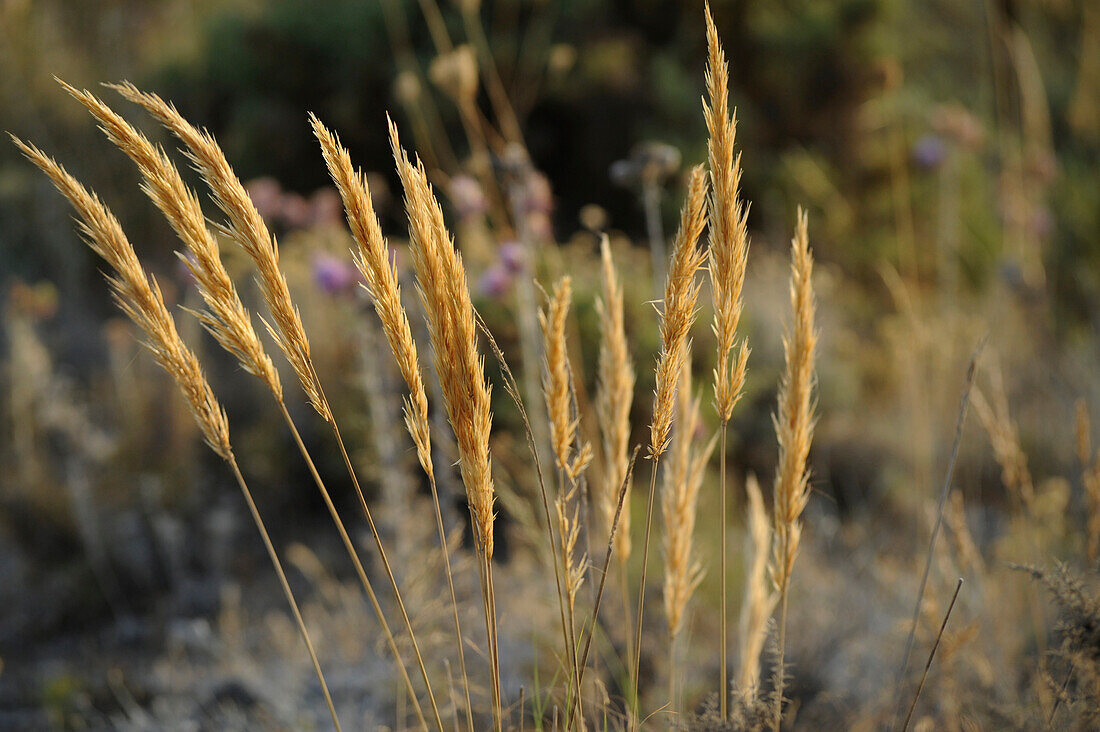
<point x="729" y="250"/>
<point x="794" y="420"/>
<point x="452" y="326"/>
<point x="558" y="384"/>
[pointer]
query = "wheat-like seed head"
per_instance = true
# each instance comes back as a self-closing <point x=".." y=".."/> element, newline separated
<point x="614" y="398"/>
<point x="569" y="530"/>
<point x="1005" y="439"/>
<point x="729" y="239"/>
<point x="760" y="598"/>
<point x="678" y="315"/>
<point x="246" y="227"/>
<point x="794" y="420"/>
<point x="557" y="386"/>
<point x="140" y="298"/>
<point x="445" y="295"/>
<point x="380" y="275"/>
<point x="225" y="318"/>
<point x="679" y="499"/>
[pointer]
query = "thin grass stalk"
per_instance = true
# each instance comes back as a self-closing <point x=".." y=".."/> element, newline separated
<point x="679" y="502"/>
<point x="140" y="298"/>
<point x="964" y="402"/>
<point x="636" y="652"/>
<point x="247" y="228"/>
<point x="677" y="317"/>
<point x="606" y="567"/>
<point x="729" y="247"/>
<point x="286" y="587"/>
<point x="723" y="572"/>
<point x="932" y="655"/>
<point x="511" y="386"/>
<point x="359" y="569"/>
<point x="381" y="283"/>
<point x="445" y="295"/>
<point x="794" y="426"/>
<point x="226" y="318"/>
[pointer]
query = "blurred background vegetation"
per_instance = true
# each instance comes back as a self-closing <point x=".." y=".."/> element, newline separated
<point x="948" y="154"/>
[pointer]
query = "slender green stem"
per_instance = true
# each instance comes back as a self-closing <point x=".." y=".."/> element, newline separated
<point x="641" y="594"/>
<point x="286" y="585"/>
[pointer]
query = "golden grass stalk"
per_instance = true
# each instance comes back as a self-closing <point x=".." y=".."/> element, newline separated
<point x="571" y="461"/>
<point x="614" y="399"/>
<point x="575" y="565"/>
<point x="247" y="228"/>
<point x="445" y="296"/>
<point x="1090" y="477"/>
<point x="379" y="272"/>
<point x="729" y="250"/>
<point x="677" y="317"/>
<point x="679" y="501"/>
<point x="558" y="385"/>
<point x="226" y="317"/>
<point x="759" y="599"/>
<point x="140" y="298"/>
<point x="729" y="239"/>
<point x="794" y="428"/>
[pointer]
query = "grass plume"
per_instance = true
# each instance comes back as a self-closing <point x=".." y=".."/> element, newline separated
<point x="794" y="429"/>
<point x="445" y="296"/>
<point x="140" y="298"/>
